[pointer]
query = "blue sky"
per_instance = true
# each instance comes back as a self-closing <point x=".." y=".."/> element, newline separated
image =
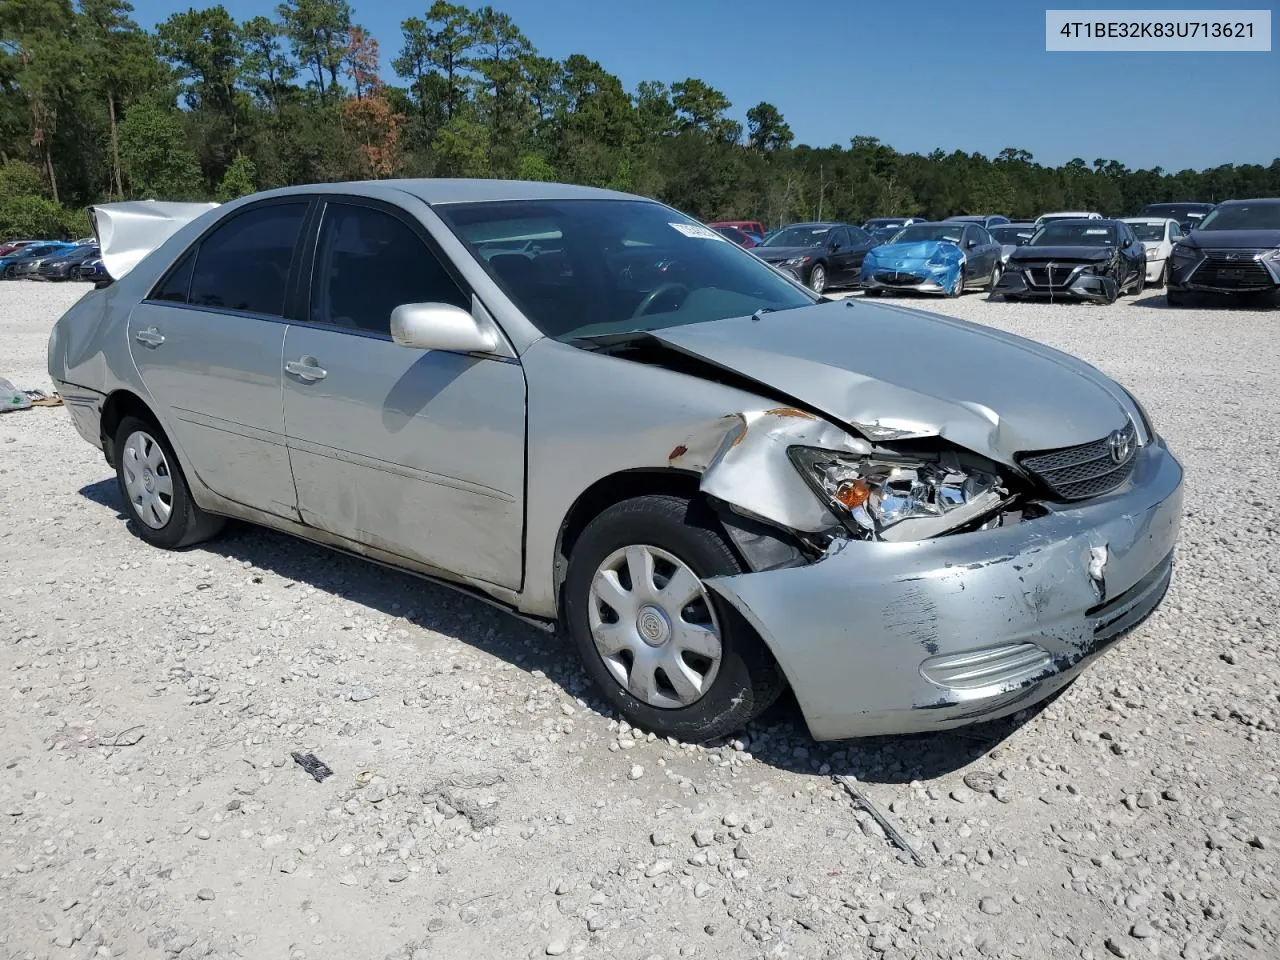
<point x="971" y="75"/>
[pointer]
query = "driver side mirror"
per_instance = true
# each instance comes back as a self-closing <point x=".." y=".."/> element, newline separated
<point x="972" y="243"/>
<point x="440" y="326"/>
<point x="833" y="246"/>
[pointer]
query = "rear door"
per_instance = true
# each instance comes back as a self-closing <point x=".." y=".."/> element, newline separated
<point x="207" y="343"/>
<point x="416" y="452"/>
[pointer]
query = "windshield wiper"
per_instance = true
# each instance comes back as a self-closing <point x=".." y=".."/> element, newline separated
<point x="607" y="341"/>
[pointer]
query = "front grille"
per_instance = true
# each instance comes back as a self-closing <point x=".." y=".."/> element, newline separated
<point x="1233" y="270"/>
<point x="898" y="279"/>
<point x="1058" y="275"/>
<point x="1089" y="470"/>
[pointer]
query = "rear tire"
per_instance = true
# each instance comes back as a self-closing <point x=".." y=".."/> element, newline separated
<point x="718" y="686"/>
<point x="157" y="498"/>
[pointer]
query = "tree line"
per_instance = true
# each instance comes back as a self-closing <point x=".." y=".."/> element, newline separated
<point x="92" y="107"/>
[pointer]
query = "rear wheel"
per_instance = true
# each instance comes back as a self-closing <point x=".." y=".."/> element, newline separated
<point x="818" y="278"/>
<point x="155" y="490"/>
<point x="665" y="651"/>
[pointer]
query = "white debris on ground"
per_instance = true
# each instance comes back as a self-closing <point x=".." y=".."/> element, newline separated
<point x="482" y="805"/>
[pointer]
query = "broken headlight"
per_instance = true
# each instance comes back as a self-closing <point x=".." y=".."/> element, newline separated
<point x="887" y="498"/>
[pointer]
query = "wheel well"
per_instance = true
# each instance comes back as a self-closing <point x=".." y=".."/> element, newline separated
<point x="119" y="405"/>
<point x="609" y="490"/>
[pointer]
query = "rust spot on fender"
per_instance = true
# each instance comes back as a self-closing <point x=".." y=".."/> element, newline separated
<point x="679" y="451"/>
<point x="790" y="412"/>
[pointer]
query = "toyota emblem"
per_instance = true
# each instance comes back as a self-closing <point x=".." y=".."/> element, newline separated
<point x="1121" y="446"/>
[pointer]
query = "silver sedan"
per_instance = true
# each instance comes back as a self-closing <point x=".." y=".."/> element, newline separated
<point x="597" y="413"/>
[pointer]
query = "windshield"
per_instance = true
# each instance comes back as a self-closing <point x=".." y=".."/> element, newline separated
<point x="1181" y="212"/>
<point x="1148" y="231"/>
<point x="582" y="268"/>
<point x="1243" y="216"/>
<point x="798" y="237"/>
<point x="1011" y="236"/>
<point x="918" y="232"/>
<point x="1074" y="234"/>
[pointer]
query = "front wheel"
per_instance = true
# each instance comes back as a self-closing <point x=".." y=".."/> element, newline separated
<point x="666" y="652"/>
<point x="1163" y="279"/>
<point x="818" y="278"/>
<point x="958" y="289"/>
<point x="155" y="490"/>
<point x="996" y="273"/>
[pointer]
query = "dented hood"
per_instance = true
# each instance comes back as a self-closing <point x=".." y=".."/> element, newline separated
<point x="130" y="230"/>
<point x="892" y="373"/>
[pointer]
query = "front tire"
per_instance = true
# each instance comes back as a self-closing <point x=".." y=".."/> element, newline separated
<point x="663" y="649"/>
<point x="818" y="278"/>
<point x="958" y="289"/>
<point x="1162" y="280"/>
<point x="996" y="273"/>
<point x="155" y="490"/>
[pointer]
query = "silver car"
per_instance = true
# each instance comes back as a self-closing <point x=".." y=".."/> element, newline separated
<point x="596" y="412"/>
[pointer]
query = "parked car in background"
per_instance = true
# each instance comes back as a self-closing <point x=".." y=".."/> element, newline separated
<point x="944" y="258"/>
<point x="720" y="484"/>
<point x="1188" y="215"/>
<point x="26" y="258"/>
<point x="876" y="223"/>
<point x="1092" y="259"/>
<point x="92" y="270"/>
<point x="1010" y="236"/>
<point x="752" y="228"/>
<point x="1157" y="237"/>
<point x="12" y="246"/>
<point x="64" y="265"/>
<point x="820" y="255"/>
<point x="883" y="235"/>
<point x="1235" y="250"/>
<point x="1066" y="215"/>
<point x="985" y="220"/>
<point x="744" y="240"/>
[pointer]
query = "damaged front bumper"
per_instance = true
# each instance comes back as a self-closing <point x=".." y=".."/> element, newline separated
<point x="1075" y="283"/>
<point x="890" y="638"/>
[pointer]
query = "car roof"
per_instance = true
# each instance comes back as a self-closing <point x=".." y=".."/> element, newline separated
<point x="447" y="190"/>
<point x="1148" y="219"/>
<point x="1267" y="201"/>
<point x="1091" y="221"/>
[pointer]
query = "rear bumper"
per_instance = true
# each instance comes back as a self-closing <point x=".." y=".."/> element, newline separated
<point x="85" y="408"/>
<point x="889" y="638"/>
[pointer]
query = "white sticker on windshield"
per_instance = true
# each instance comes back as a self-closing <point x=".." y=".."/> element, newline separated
<point x="697" y="231"/>
<point x="1096" y="233"/>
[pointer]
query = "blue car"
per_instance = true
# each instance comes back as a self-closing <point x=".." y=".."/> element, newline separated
<point x="32" y="251"/>
<point x="945" y="258"/>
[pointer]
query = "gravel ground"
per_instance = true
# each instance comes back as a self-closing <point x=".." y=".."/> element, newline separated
<point x="482" y="804"/>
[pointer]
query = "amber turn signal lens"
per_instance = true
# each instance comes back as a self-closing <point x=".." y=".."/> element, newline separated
<point x="853" y="493"/>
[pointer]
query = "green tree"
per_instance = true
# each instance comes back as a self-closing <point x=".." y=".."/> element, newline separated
<point x="157" y="162"/>
<point x="766" y="130"/>
<point x="29" y="216"/>
<point x="240" y="179"/>
<point x="265" y="68"/>
<point x="317" y="32"/>
<point x="21" y="179"/>
<point x="702" y="107"/>
<point x="38" y="41"/>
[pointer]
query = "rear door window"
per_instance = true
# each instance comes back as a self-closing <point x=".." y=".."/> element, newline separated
<point x="243" y="264"/>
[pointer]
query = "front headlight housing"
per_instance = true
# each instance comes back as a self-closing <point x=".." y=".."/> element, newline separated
<point x="884" y="497"/>
<point x="1183" y="252"/>
<point x="797" y="261"/>
<point x="1153" y="253"/>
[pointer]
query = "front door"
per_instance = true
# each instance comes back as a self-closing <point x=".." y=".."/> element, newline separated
<point x="207" y="344"/>
<point x="416" y="452"/>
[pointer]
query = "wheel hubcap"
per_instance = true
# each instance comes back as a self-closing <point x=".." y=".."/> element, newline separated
<point x="148" y="482"/>
<point x="654" y="627"/>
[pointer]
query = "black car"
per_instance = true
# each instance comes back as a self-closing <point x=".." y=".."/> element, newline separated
<point x="1188" y="215"/>
<point x="20" y="262"/>
<point x="1096" y="260"/>
<point x="64" y="266"/>
<point x="821" y="255"/>
<point x="91" y="270"/>
<point x="1235" y="250"/>
<point x="897" y="223"/>
<point x="987" y="220"/>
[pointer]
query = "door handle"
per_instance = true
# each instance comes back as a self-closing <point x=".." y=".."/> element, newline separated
<point x="150" y="336"/>
<point x="306" y="368"/>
